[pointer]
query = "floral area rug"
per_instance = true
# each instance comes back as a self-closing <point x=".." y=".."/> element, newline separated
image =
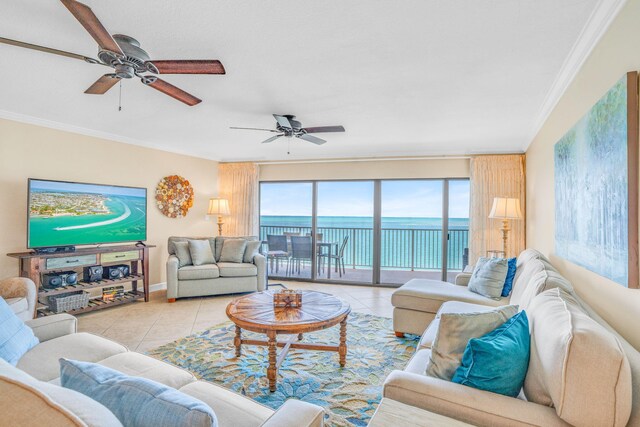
<point x="349" y="395"/>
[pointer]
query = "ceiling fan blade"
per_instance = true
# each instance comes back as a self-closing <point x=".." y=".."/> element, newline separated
<point x="188" y="66"/>
<point x="268" y="130"/>
<point x="92" y="24"/>
<point x="283" y="121"/>
<point x="321" y="129"/>
<point x="273" y="138"/>
<point x="171" y="90"/>
<point x="311" y="138"/>
<point x="48" y="50"/>
<point x="102" y="85"/>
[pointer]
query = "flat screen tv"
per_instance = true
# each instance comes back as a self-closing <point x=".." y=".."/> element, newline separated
<point x="71" y="213"/>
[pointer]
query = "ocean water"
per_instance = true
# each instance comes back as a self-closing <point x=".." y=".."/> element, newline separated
<point x="406" y="242"/>
<point x="90" y="229"/>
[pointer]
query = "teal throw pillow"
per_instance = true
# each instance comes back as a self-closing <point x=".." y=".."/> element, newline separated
<point x="488" y="277"/>
<point x="16" y="338"/>
<point x="511" y="274"/>
<point x="498" y="361"/>
<point x="135" y="401"/>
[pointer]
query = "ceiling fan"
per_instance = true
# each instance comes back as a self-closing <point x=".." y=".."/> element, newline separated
<point x="127" y="58"/>
<point x="286" y="125"/>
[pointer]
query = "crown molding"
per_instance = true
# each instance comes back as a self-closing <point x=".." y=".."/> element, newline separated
<point x="597" y="25"/>
<point x="51" y="124"/>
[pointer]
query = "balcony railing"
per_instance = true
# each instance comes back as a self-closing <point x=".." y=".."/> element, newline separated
<point x="401" y="248"/>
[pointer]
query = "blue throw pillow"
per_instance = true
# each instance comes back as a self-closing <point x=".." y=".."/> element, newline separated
<point x="16" y="338"/>
<point x="497" y="361"/>
<point x="135" y="401"/>
<point x="511" y="274"/>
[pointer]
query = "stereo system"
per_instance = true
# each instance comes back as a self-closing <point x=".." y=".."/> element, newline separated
<point x="115" y="272"/>
<point x="57" y="280"/>
<point x="93" y="273"/>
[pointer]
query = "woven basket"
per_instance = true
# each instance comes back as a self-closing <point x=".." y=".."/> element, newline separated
<point x="69" y="301"/>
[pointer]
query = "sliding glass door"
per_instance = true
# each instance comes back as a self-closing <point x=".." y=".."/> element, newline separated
<point x="366" y="231"/>
<point x="345" y="231"/>
<point x="286" y="211"/>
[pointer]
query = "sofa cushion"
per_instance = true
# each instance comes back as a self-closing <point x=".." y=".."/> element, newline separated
<point x="16" y="338"/>
<point x="524" y="273"/>
<point x="232" y="269"/>
<point x="231" y="408"/>
<point x="449" y="307"/>
<point x="489" y="276"/>
<point x="18" y="305"/>
<point x="183" y="253"/>
<point x="201" y="252"/>
<point x="25" y="401"/>
<point x="428" y="295"/>
<point x="497" y="361"/>
<point x="418" y="362"/>
<point x="540" y="282"/>
<point x="576" y="364"/>
<point x="233" y="250"/>
<point x="42" y="363"/>
<point x="197" y="272"/>
<point x="454" y="332"/>
<point x="139" y="365"/>
<point x="136" y="401"/>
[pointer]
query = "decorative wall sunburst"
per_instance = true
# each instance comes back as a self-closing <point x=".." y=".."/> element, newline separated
<point x="174" y="196"/>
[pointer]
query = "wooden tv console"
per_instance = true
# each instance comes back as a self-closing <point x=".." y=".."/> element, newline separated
<point x="33" y="265"/>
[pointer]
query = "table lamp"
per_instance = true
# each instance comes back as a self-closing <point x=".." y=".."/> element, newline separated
<point x="220" y="207"/>
<point x="505" y="209"/>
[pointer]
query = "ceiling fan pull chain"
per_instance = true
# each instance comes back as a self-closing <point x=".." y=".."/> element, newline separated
<point x="120" y="97"/>
<point x="288" y="146"/>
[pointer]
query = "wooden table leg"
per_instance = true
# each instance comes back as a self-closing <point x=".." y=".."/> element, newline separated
<point x="237" y="341"/>
<point x="342" y="348"/>
<point x="300" y="336"/>
<point x="272" y="370"/>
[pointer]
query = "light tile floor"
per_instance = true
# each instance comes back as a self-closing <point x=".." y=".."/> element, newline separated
<point x="143" y="326"/>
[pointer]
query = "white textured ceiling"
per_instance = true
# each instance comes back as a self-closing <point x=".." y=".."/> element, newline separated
<point x="404" y="77"/>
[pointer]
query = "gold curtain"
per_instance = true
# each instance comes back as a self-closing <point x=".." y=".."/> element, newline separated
<point x="495" y="176"/>
<point x="239" y="183"/>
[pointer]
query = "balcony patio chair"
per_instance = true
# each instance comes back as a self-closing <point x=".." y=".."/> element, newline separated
<point x="288" y="235"/>
<point x="277" y="250"/>
<point x="301" y="251"/>
<point x="338" y="257"/>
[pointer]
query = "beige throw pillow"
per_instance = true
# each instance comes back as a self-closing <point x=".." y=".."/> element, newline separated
<point x="201" y="252"/>
<point x="454" y="332"/>
<point x="233" y="250"/>
<point x="253" y="248"/>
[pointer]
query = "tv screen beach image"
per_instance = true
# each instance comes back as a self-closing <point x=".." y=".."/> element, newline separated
<point x="63" y="213"/>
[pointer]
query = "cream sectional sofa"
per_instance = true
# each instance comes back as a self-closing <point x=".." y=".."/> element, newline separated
<point x="581" y="372"/>
<point x="416" y="303"/>
<point x="213" y="279"/>
<point x="20" y="293"/>
<point x="59" y="338"/>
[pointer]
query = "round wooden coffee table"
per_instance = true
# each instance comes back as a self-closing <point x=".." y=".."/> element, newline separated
<point x="319" y="311"/>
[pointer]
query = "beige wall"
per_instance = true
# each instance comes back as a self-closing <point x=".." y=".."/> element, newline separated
<point x="617" y="53"/>
<point x="38" y="152"/>
<point x="377" y="169"/>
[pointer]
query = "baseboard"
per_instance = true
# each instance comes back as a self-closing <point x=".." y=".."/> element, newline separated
<point x="158" y="287"/>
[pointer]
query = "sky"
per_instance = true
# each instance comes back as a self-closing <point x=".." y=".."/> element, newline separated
<point x="88" y="188"/>
<point x="402" y="198"/>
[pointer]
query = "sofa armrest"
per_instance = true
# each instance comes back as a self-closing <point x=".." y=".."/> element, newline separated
<point x="54" y="326"/>
<point x="296" y="413"/>
<point x="474" y="406"/>
<point x="261" y="263"/>
<point x="172" y="277"/>
<point x="462" y="279"/>
<point x="20" y="287"/>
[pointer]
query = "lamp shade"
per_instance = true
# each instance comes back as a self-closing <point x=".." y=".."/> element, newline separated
<point x="218" y="206"/>
<point x="505" y="208"/>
